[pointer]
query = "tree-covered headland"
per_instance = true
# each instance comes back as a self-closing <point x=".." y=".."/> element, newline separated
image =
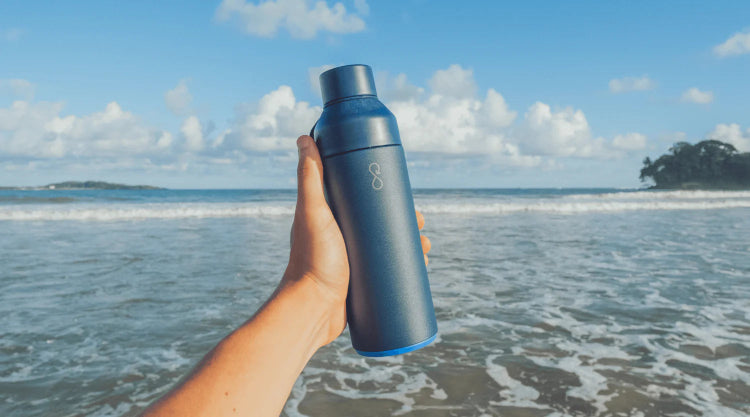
<point x="709" y="164"/>
<point x="85" y="185"/>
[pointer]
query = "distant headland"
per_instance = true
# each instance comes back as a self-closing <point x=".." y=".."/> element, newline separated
<point x="85" y="185"/>
<point x="707" y="165"/>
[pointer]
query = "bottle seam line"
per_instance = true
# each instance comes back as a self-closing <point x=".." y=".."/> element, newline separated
<point x="360" y="149"/>
<point x="347" y="98"/>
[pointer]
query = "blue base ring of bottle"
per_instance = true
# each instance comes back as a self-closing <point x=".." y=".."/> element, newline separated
<point x="398" y="351"/>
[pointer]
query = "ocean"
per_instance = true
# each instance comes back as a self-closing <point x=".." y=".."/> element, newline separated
<point x="585" y="302"/>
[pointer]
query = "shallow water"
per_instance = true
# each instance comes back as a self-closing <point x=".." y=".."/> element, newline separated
<point x="549" y="303"/>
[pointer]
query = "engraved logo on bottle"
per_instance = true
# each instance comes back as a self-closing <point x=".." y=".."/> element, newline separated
<point x="377" y="182"/>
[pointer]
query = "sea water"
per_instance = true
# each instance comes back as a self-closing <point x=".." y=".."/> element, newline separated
<point x="549" y="302"/>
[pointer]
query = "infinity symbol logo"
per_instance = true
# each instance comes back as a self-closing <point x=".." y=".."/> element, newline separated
<point x="374" y="169"/>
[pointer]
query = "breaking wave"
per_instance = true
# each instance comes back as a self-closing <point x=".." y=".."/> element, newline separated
<point x="487" y="204"/>
<point x="565" y="206"/>
<point x="144" y="211"/>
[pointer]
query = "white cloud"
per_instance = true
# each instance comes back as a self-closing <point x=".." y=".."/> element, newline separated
<point x="694" y="95"/>
<point x="454" y="81"/>
<point x="495" y="111"/>
<point x="557" y="133"/>
<point x="451" y="119"/>
<point x="18" y="88"/>
<point x="24" y="130"/>
<point x="629" y="142"/>
<point x="193" y="132"/>
<point x="440" y="122"/>
<point x="731" y="133"/>
<point x="450" y="122"/>
<point x="273" y="124"/>
<point x="566" y="133"/>
<point x="38" y="130"/>
<point x="737" y="44"/>
<point x="396" y="88"/>
<point x="300" y="18"/>
<point x="444" y="125"/>
<point x="178" y="99"/>
<point x="625" y="84"/>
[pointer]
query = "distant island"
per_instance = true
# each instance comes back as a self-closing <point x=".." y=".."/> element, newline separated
<point x="85" y="185"/>
<point x="709" y="164"/>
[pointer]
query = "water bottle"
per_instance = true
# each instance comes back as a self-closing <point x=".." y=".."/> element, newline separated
<point x="389" y="305"/>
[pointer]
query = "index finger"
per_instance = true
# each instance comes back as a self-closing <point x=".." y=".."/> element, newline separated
<point x="420" y="220"/>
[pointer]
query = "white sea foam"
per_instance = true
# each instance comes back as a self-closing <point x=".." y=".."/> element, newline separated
<point x="383" y="376"/>
<point x="613" y="316"/>
<point x="605" y="202"/>
<point x="699" y="393"/>
<point x="570" y="204"/>
<point x="519" y="395"/>
<point x="144" y="211"/>
<point x="357" y="377"/>
<point x="564" y="206"/>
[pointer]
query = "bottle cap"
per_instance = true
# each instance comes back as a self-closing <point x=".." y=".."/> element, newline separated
<point x="347" y="81"/>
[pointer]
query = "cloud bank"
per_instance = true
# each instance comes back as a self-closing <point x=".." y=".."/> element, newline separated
<point x="450" y="119"/>
<point x="39" y="130"/>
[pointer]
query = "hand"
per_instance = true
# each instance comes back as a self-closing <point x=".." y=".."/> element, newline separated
<point x="318" y="251"/>
<point x="252" y="370"/>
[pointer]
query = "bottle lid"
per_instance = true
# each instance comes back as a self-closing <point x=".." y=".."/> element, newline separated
<point x="347" y="81"/>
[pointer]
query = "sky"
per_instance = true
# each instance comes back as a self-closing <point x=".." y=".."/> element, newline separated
<point x="213" y="94"/>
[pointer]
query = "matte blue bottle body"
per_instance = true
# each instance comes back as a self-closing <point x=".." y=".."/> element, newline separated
<point x="389" y="305"/>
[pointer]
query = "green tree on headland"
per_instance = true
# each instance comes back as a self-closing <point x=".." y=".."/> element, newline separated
<point x="707" y="164"/>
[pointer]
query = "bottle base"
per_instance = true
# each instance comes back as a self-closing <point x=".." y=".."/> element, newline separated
<point x="398" y="351"/>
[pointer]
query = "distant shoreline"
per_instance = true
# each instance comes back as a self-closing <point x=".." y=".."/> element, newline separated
<point x="103" y="185"/>
<point x="697" y="186"/>
<point x="114" y="186"/>
<point x="85" y="185"/>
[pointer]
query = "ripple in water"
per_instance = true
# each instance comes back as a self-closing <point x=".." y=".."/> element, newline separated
<point x="541" y="313"/>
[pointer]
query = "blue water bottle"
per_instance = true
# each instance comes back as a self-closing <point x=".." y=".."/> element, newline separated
<point x="389" y="305"/>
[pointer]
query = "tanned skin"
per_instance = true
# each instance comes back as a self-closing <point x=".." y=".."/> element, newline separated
<point x="251" y="372"/>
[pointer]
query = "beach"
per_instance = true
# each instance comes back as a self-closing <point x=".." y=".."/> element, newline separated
<point x="553" y="302"/>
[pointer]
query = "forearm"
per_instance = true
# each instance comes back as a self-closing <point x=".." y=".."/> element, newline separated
<point x="252" y="371"/>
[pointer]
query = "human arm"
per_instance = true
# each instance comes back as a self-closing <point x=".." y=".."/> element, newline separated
<point x="252" y="371"/>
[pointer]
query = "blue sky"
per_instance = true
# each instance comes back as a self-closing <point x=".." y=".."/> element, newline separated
<point x="199" y="94"/>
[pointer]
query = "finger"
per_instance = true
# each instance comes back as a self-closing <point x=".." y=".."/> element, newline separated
<point x="420" y="220"/>
<point x="426" y="260"/>
<point x="309" y="172"/>
<point x="426" y="244"/>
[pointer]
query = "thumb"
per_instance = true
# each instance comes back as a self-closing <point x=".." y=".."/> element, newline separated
<point x="309" y="173"/>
